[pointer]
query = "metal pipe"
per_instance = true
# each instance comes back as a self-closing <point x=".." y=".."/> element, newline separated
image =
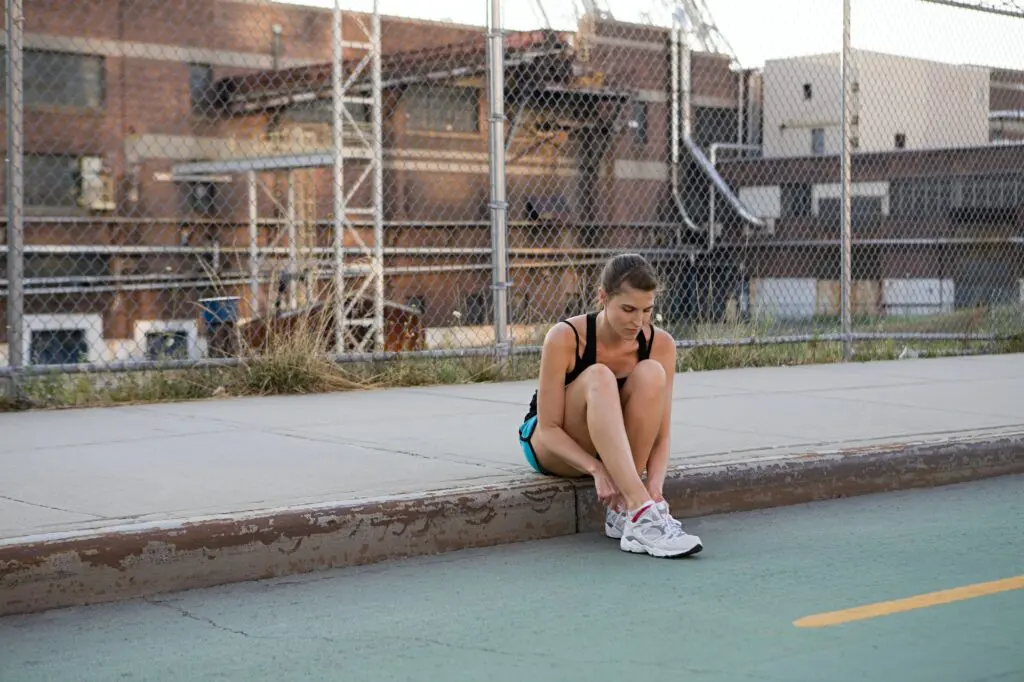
<point x="705" y="165"/>
<point x="337" y="186"/>
<point x="499" y="206"/>
<point x="15" y="192"/>
<point x="254" y="245"/>
<point x="433" y="252"/>
<point x="428" y="251"/>
<point x="293" y="243"/>
<point x="711" y="192"/>
<point x="378" y="179"/>
<point x="678" y="17"/>
<point x="682" y="72"/>
<point x="238" y="278"/>
<point x="846" y="277"/>
<point x="741" y="82"/>
<point x="273" y="222"/>
<point x="685" y="76"/>
<point x="438" y="353"/>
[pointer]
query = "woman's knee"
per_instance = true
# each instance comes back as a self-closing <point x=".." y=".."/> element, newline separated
<point x="599" y="380"/>
<point x="648" y="375"/>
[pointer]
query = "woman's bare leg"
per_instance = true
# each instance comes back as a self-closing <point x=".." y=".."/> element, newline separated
<point x="643" y="403"/>
<point x="594" y="419"/>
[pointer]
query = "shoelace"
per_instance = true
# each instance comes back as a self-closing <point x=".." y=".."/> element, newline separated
<point x="672" y="522"/>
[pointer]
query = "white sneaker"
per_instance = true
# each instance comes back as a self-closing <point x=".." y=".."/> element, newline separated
<point x="657" y="534"/>
<point x="663" y="509"/>
<point x="614" y="522"/>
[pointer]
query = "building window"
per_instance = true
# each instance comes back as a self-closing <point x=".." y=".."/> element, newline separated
<point x="818" y="141"/>
<point x="990" y="191"/>
<point x="167" y="339"/>
<point x="200" y="84"/>
<point x="901" y="141"/>
<point x="796" y="200"/>
<point x="55" y="268"/>
<point x="713" y="124"/>
<point x="63" y="339"/>
<point x="442" y="109"/>
<point x="60" y="79"/>
<point x="921" y="197"/>
<point x="58" y="347"/>
<point x="639" y="122"/>
<point x="478" y="308"/>
<point x="975" y="198"/>
<point x="808" y="91"/>
<point x="865" y="212"/>
<point x="51" y="180"/>
<point x="167" y="345"/>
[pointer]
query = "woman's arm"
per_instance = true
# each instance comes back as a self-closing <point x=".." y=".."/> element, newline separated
<point x="557" y="354"/>
<point x="657" y="466"/>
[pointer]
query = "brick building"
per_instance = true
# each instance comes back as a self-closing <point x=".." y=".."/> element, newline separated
<point x="937" y="187"/>
<point x="115" y="93"/>
<point x="125" y="100"/>
<point x="143" y="120"/>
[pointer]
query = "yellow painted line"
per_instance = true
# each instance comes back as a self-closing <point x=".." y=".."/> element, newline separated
<point x="921" y="601"/>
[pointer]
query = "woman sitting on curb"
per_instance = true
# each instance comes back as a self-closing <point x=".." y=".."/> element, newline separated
<point x="603" y="408"/>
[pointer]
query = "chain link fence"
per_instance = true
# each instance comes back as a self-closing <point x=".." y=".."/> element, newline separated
<point x="184" y="179"/>
<point x="938" y="175"/>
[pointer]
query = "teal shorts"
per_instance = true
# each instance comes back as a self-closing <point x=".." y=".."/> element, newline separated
<point x="526" y="431"/>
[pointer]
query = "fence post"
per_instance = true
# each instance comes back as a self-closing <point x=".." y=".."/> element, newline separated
<point x="499" y="207"/>
<point x="15" y="193"/>
<point x="337" y="184"/>
<point x="378" y="179"/>
<point x="846" y="279"/>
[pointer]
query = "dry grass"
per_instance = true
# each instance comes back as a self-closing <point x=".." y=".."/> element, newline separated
<point x="292" y="362"/>
<point x="297" y="361"/>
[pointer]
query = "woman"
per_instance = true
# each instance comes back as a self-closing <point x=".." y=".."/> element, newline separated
<point x="603" y="408"/>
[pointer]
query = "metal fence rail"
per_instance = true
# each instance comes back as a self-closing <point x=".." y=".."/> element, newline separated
<point x="175" y="186"/>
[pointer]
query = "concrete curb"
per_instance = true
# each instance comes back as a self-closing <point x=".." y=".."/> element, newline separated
<point x="809" y="476"/>
<point x="70" y="569"/>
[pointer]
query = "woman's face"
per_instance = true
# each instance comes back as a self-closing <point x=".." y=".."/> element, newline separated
<point x="628" y="311"/>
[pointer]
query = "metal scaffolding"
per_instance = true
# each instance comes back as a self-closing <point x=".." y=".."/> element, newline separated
<point x="1010" y="8"/>
<point x="351" y="141"/>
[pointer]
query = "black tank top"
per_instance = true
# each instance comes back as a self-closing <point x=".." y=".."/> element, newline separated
<point x="590" y="355"/>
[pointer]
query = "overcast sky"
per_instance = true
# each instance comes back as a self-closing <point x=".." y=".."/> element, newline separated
<point x="766" y="29"/>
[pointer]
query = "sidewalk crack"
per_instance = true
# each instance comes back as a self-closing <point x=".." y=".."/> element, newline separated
<point x="46" y="506"/>
<point x="188" y="614"/>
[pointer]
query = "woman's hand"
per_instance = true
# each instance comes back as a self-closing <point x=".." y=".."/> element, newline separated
<point x="607" y="492"/>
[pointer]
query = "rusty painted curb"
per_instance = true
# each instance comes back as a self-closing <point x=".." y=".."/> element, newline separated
<point x="90" y="567"/>
<point x="809" y="476"/>
<point x="87" y="567"/>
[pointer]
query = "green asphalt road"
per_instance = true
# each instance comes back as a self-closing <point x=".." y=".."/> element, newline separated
<point x="577" y="608"/>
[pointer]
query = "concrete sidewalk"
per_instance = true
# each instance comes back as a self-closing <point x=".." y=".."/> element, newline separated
<point x="363" y="476"/>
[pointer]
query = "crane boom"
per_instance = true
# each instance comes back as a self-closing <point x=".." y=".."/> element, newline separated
<point x="1010" y="8"/>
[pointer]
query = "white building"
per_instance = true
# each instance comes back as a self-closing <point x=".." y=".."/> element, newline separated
<point x="897" y="103"/>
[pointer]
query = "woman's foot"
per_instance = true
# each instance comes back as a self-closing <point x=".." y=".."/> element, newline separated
<point x="614" y="522"/>
<point x="649" y="530"/>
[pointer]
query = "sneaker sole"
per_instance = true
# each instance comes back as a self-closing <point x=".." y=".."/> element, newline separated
<point x="612" y="533"/>
<point x="637" y="548"/>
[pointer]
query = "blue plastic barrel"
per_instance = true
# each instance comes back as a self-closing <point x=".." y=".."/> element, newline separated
<point x="220" y="310"/>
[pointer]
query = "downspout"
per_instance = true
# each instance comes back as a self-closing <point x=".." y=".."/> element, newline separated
<point x="674" y="165"/>
<point x="681" y="71"/>
<point x="741" y="79"/>
<point x="711" y="198"/>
